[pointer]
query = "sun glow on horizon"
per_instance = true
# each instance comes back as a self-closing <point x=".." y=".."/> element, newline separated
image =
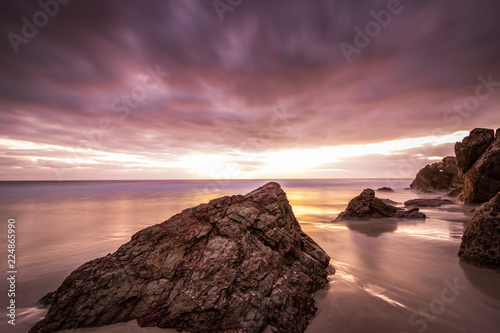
<point x="237" y="165"/>
<point x="300" y="160"/>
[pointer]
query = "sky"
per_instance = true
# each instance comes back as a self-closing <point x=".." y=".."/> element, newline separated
<point x="236" y="89"/>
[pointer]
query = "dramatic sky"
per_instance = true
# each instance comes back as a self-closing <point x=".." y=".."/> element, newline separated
<point x="242" y="88"/>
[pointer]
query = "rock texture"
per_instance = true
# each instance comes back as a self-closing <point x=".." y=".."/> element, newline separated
<point x="472" y="147"/>
<point x="435" y="202"/>
<point x="473" y="175"/>
<point x="481" y="240"/>
<point x="441" y="176"/>
<point x="478" y="161"/>
<point x="236" y="264"/>
<point x="367" y="206"/>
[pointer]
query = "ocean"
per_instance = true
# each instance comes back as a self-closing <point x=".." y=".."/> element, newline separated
<point x="392" y="276"/>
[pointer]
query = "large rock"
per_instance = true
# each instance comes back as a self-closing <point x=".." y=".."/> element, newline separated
<point x="478" y="160"/>
<point x="481" y="240"/>
<point x="440" y="176"/>
<point x="472" y="147"/>
<point x="236" y="264"/>
<point x="482" y="180"/>
<point x="367" y="206"/>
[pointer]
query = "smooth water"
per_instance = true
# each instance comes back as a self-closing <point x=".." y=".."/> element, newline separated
<point x="392" y="276"/>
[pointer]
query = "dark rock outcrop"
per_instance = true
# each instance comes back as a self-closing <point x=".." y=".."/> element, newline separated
<point x="367" y="206"/>
<point x="236" y="264"/>
<point x="435" y="202"/>
<point x="481" y="240"/>
<point x="440" y="176"/>
<point x="412" y="214"/>
<point x="385" y="189"/>
<point x="472" y="147"/>
<point x="478" y="161"/>
<point x="473" y="175"/>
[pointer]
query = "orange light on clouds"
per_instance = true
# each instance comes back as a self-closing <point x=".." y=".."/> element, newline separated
<point x="290" y="163"/>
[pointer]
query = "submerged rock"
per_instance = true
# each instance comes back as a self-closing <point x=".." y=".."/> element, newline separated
<point x="435" y="202"/>
<point x="367" y="206"/>
<point x="481" y="240"/>
<point x="390" y="202"/>
<point x="236" y="264"/>
<point x="478" y="161"/>
<point x="385" y="189"/>
<point x="412" y="214"/>
<point x="440" y="176"/>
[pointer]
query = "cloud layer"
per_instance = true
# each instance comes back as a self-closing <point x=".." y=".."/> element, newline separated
<point x="270" y="77"/>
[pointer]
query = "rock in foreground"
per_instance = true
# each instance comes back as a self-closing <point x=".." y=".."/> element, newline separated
<point x="236" y="264"/>
<point x="367" y="206"/>
<point x="481" y="240"/>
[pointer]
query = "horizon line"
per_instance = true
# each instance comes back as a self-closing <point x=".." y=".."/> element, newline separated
<point x="199" y="179"/>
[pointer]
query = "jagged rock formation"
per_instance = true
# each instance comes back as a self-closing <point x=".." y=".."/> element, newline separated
<point x="236" y="264"/>
<point x="440" y="176"/>
<point x="435" y="202"/>
<point x="481" y="240"/>
<point x="472" y="147"/>
<point x="478" y="162"/>
<point x="474" y="174"/>
<point x="367" y="206"/>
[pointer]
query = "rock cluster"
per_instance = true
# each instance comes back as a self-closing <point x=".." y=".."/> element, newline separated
<point x="474" y="173"/>
<point x="236" y="264"/>
<point x="478" y="162"/>
<point x="440" y="176"/>
<point x="481" y="240"/>
<point x="367" y="206"/>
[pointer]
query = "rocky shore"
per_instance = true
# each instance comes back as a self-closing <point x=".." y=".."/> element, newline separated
<point x="236" y="264"/>
<point x="473" y="174"/>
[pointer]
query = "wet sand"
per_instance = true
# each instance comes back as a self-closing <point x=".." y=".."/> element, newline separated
<point x="392" y="276"/>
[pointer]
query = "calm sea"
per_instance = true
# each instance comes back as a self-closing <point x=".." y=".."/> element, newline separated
<point x="392" y="276"/>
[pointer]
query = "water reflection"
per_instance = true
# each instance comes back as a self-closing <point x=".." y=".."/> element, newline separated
<point x="485" y="280"/>
<point x="373" y="228"/>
